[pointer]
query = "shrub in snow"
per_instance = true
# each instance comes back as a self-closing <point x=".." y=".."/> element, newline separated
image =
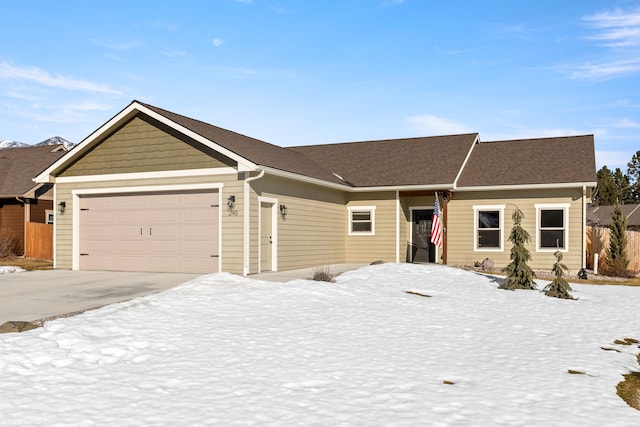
<point x="322" y="274"/>
<point x="519" y="274"/>
<point x="9" y="243"/>
<point x="617" y="261"/>
<point x="559" y="287"/>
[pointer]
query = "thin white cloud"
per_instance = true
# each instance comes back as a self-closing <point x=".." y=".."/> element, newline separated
<point x="41" y="77"/>
<point x="123" y="45"/>
<point x="433" y="125"/>
<point x="217" y="42"/>
<point x="174" y="53"/>
<point x="626" y="123"/>
<point x="603" y="71"/>
<point x="618" y="28"/>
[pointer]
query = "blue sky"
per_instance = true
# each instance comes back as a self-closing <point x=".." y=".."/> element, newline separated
<point x="310" y="72"/>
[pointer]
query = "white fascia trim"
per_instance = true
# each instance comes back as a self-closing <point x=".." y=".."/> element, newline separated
<point x="527" y="186"/>
<point x="244" y="165"/>
<point x="466" y="159"/>
<point x="77" y="151"/>
<point x="323" y="183"/>
<point x="147" y="188"/>
<point x="145" y="175"/>
<point x="126" y="114"/>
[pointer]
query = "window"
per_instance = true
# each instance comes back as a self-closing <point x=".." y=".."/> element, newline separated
<point x="49" y="216"/>
<point x="362" y="220"/>
<point x="552" y="227"/>
<point x="489" y="233"/>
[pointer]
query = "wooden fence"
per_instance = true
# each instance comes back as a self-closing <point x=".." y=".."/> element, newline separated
<point x="39" y="241"/>
<point x="598" y="242"/>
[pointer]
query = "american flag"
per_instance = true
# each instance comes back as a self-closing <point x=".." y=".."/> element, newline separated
<point x="436" y="226"/>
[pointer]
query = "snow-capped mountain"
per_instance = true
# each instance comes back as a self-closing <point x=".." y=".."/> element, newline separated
<point x="7" y="143"/>
<point x="57" y="140"/>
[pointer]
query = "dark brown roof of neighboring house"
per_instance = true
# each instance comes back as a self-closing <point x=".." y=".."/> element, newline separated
<point x="411" y="161"/>
<point x="531" y="161"/>
<point x="600" y="216"/>
<point x="18" y="167"/>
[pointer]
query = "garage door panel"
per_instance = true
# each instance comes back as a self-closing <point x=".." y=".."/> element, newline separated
<point x="151" y="232"/>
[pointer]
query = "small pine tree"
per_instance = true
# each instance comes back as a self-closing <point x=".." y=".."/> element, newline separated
<point x="519" y="274"/>
<point x="617" y="251"/>
<point x="559" y="287"/>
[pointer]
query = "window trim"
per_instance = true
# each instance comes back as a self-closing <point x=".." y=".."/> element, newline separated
<point x="371" y="210"/>
<point x="49" y="216"/>
<point x="482" y="208"/>
<point x="565" y="222"/>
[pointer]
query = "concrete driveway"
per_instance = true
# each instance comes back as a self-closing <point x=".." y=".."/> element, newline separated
<point x="35" y="295"/>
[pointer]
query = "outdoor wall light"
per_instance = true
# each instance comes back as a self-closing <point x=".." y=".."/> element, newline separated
<point x="61" y="207"/>
<point x="283" y="210"/>
<point x="231" y="202"/>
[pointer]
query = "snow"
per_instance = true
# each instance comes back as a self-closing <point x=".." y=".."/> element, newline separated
<point x="227" y="350"/>
<point x="7" y="269"/>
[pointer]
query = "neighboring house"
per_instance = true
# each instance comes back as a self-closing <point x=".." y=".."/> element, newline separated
<point x="152" y="190"/>
<point x="598" y="222"/>
<point x="21" y="200"/>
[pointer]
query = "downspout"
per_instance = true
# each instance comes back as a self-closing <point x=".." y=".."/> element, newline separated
<point x="584" y="227"/>
<point x="26" y="216"/>
<point x="247" y="222"/>
<point x="397" y="226"/>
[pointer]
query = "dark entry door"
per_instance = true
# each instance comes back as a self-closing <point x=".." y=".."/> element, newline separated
<point x="422" y="250"/>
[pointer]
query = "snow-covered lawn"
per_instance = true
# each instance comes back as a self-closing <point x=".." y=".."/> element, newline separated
<point x="226" y="350"/>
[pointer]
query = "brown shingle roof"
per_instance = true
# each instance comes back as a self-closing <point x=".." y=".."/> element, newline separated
<point x="18" y="167"/>
<point x="412" y="161"/>
<point x="256" y="151"/>
<point x="600" y="216"/>
<point x="531" y="161"/>
<point x="427" y="161"/>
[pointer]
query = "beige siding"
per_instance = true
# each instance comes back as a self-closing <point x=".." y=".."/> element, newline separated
<point x="231" y="235"/>
<point x="312" y="232"/>
<point x="382" y="245"/>
<point x="460" y="226"/>
<point x="142" y="146"/>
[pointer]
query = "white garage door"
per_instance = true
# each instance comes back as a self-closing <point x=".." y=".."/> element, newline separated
<point x="160" y="232"/>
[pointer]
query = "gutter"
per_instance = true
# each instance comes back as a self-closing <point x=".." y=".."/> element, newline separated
<point x="246" y="223"/>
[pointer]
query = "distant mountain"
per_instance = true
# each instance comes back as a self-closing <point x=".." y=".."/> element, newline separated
<point x="7" y="143"/>
<point x="57" y="140"/>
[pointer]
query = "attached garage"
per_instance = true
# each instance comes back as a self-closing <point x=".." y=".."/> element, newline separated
<point x="163" y="231"/>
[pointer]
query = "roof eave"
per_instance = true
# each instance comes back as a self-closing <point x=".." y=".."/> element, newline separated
<point x="48" y="175"/>
<point x="352" y="189"/>
<point x="527" y="186"/>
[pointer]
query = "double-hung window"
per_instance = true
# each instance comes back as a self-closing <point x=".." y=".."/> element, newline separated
<point x="552" y="230"/>
<point x="489" y="228"/>
<point x="362" y="220"/>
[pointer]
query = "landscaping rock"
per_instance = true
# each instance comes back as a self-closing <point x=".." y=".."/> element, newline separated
<point x="16" y="326"/>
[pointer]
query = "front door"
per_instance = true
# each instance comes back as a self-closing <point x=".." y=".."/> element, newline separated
<point x="266" y="236"/>
<point x="421" y="248"/>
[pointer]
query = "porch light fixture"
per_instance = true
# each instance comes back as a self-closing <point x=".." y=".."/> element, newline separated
<point x="283" y="211"/>
<point x="61" y="207"/>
